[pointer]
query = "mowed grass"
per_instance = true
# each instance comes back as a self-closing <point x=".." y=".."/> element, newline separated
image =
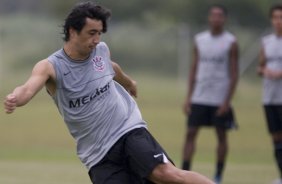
<point x="36" y="148"/>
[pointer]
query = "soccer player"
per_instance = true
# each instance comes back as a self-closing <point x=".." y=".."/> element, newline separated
<point x="92" y="94"/>
<point x="212" y="82"/>
<point x="270" y="68"/>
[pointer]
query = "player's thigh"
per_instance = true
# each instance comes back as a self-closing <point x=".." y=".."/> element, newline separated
<point x="109" y="174"/>
<point x="279" y="114"/>
<point x="273" y="115"/>
<point x="200" y="115"/>
<point x="112" y="169"/>
<point x="192" y="133"/>
<point x="163" y="173"/>
<point x="143" y="153"/>
<point x="226" y="121"/>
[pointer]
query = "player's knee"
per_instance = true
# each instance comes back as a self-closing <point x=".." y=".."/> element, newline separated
<point x="191" y="135"/>
<point x="222" y="142"/>
<point x="166" y="173"/>
<point x="277" y="137"/>
<point x="221" y="134"/>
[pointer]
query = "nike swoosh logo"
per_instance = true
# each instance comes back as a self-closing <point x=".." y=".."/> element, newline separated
<point x="158" y="155"/>
<point x="67" y="73"/>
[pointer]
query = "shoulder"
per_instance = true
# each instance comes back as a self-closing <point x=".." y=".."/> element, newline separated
<point x="103" y="49"/>
<point x="58" y="55"/>
<point x="43" y="68"/>
<point x="202" y="35"/>
<point x="268" y="38"/>
<point x="102" y="45"/>
<point x="230" y="36"/>
<point x="45" y="64"/>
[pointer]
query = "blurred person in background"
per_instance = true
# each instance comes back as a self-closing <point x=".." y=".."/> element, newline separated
<point x="93" y="95"/>
<point x="270" y="68"/>
<point x="212" y="82"/>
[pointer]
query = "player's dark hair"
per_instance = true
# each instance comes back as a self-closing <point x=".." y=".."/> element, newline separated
<point x="220" y="6"/>
<point x="77" y="17"/>
<point x="274" y="8"/>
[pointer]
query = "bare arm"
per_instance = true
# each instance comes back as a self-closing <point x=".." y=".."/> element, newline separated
<point x="21" y="95"/>
<point x="124" y="80"/>
<point x="191" y="80"/>
<point x="234" y="54"/>
<point x="262" y="61"/>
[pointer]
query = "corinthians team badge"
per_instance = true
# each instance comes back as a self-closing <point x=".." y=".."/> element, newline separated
<point x="98" y="63"/>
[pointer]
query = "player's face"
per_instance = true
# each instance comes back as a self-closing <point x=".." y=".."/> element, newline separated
<point x="276" y="20"/>
<point x="216" y="18"/>
<point x="89" y="37"/>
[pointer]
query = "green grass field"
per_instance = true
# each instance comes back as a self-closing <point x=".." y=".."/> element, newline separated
<point x="36" y="148"/>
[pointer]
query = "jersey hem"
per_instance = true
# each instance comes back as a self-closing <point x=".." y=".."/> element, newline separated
<point x="111" y="145"/>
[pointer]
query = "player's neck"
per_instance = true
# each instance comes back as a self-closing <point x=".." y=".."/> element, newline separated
<point x="216" y="32"/>
<point x="279" y="34"/>
<point x="74" y="54"/>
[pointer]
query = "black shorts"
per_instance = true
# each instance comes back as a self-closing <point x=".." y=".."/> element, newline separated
<point x="273" y="115"/>
<point x="130" y="161"/>
<point x="205" y="115"/>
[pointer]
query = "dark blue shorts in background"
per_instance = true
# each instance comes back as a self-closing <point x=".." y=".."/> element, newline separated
<point x="273" y="115"/>
<point x="205" y="115"/>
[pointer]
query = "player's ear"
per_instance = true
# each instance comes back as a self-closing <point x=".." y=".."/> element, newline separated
<point x="73" y="33"/>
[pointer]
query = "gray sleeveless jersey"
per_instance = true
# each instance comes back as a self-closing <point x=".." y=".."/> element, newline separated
<point x="272" y="46"/>
<point x="212" y="75"/>
<point x="96" y="109"/>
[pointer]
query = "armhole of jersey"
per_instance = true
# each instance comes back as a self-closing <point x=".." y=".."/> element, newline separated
<point x="262" y="42"/>
<point x="57" y="79"/>
<point x="195" y="41"/>
<point x="233" y="40"/>
<point x="262" y="49"/>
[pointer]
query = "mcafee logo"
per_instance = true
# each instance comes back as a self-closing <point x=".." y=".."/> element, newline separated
<point x="98" y="63"/>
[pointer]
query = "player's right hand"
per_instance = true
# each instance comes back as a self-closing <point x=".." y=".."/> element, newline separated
<point x="260" y="70"/>
<point x="10" y="103"/>
<point x="187" y="107"/>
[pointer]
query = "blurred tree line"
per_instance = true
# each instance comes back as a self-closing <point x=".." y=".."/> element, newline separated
<point x="252" y="13"/>
<point x="144" y="34"/>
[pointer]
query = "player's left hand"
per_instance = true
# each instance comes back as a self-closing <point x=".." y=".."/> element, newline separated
<point x="271" y="74"/>
<point x="223" y="109"/>
<point x="260" y="70"/>
<point x="132" y="89"/>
